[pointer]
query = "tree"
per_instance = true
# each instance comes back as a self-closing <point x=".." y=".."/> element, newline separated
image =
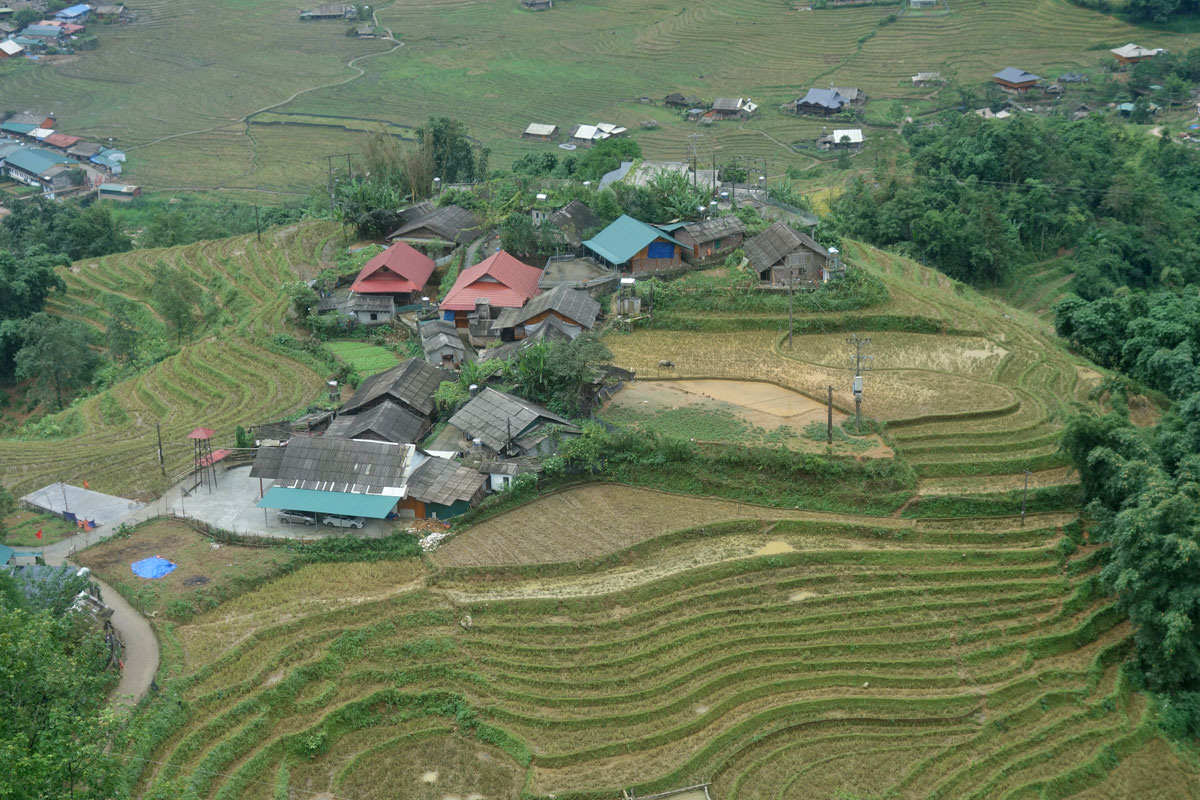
<point x="56" y="356"/>
<point x="54" y="733"/>
<point x="121" y="333"/>
<point x="176" y="298"/>
<point x="455" y="157"/>
<point x="94" y="231"/>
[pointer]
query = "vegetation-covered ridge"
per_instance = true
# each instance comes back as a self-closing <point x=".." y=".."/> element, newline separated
<point x="226" y="359"/>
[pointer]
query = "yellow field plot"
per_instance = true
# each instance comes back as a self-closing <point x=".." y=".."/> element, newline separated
<point x="753" y="355"/>
<point x="969" y="356"/>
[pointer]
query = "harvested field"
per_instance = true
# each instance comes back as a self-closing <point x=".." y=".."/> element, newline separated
<point x="1061" y="476"/>
<point x="735" y="412"/>
<point x="958" y="660"/>
<point x="597" y="520"/>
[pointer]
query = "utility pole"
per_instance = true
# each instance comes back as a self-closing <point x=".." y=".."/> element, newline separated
<point x="829" y="418"/>
<point x="859" y="358"/>
<point x="1025" y="498"/>
<point x="733" y="196"/>
<point x="692" y="139"/>
<point x="162" y="464"/>
<point x="791" y="289"/>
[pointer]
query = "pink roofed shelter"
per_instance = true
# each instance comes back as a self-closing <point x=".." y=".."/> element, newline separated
<point x="400" y="271"/>
<point x="501" y="280"/>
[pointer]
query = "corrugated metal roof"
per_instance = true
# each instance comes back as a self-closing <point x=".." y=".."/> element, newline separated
<point x="490" y="415"/>
<point x="624" y="238"/>
<point x="350" y="504"/>
<point x="537" y="129"/>
<point x="769" y="247"/>
<point x="825" y="98"/>
<point x="35" y="161"/>
<point x="514" y="282"/>
<point x="400" y="268"/>
<point x="573" y="220"/>
<point x="452" y="223"/>
<point x="727" y="104"/>
<point x="715" y="228"/>
<point x="854" y="135"/>
<point x="345" y="465"/>
<point x="268" y="459"/>
<point x="11" y="48"/>
<point x="575" y="304"/>
<point x="1014" y="75"/>
<point x="21" y="128"/>
<point x="387" y="422"/>
<point x="445" y="482"/>
<point x="411" y="384"/>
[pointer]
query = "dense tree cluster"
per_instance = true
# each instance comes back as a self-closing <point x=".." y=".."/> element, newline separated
<point x="985" y="196"/>
<point x="1143" y="485"/>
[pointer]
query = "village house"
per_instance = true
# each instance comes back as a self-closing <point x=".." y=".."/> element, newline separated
<point x="550" y="329"/>
<point x="852" y="94"/>
<point x="84" y="150"/>
<point x="820" y="101"/>
<point x="540" y="133"/>
<point x="62" y="141"/>
<point x="572" y="307"/>
<point x="846" y="139"/>
<point x="588" y="135"/>
<point x="677" y="100"/>
<point x="537" y="5"/>
<point x="49" y="171"/>
<point x="781" y="255"/>
<point x="49" y="34"/>
<point x="507" y="425"/>
<point x="573" y="221"/>
<point x="630" y="245"/>
<point x="32" y="120"/>
<point x="499" y="281"/>
<point x="441" y="344"/>
<point x="386" y="422"/>
<point x="400" y="272"/>
<point x="440" y="489"/>
<point x="711" y="240"/>
<point x="1013" y="79"/>
<point x="733" y="107"/>
<point x="438" y="229"/>
<point x="76" y="14"/>
<point x="330" y="11"/>
<point x="121" y="192"/>
<point x="927" y="79"/>
<point x="411" y="385"/>
<point x="117" y="13"/>
<point x="924" y="3"/>
<point x="10" y="49"/>
<point x="1132" y="53"/>
<point x="370" y="309"/>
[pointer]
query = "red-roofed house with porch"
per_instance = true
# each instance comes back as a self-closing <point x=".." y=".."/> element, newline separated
<point x="501" y="280"/>
<point x="62" y="140"/>
<point x="400" y="271"/>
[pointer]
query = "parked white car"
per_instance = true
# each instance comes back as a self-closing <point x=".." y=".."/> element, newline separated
<point x="342" y="521"/>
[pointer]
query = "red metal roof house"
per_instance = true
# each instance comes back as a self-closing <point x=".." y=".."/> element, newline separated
<point x="400" y="271"/>
<point x="501" y="280"/>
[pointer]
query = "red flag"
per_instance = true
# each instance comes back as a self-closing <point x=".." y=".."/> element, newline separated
<point x="39" y="533"/>
<point x="85" y="485"/>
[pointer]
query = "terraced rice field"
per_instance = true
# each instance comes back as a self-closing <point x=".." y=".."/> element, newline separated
<point x="985" y="398"/>
<point x="235" y="375"/>
<point x="185" y="72"/>
<point x="774" y="659"/>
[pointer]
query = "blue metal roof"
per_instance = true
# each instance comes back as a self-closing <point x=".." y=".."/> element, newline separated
<point x="624" y="238"/>
<point x="827" y="98"/>
<point x="74" y="11"/>
<point x="6" y="554"/>
<point x="1014" y="75"/>
<point x="16" y="127"/>
<point x="372" y="506"/>
<point x="36" y="161"/>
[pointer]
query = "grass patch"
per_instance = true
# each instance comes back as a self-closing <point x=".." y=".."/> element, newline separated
<point x="365" y="359"/>
<point x="22" y="527"/>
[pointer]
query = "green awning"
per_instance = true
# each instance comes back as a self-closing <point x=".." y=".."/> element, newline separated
<point x="372" y="506"/>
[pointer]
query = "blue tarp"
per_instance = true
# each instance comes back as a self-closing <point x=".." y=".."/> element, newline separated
<point x="153" y="567"/>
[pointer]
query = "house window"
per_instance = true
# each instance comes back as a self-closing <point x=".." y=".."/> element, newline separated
<point x="374" y="316"/>
<point x="716" y="245"/>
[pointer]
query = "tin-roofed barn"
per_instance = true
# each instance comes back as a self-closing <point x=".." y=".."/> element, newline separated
<point x="1132" y="53"/>
<point x="399" y="272"/>
<point x="10" y="49"/>
<point x="442" y="488"/>
<point x="330" y="11"/>
<point x="509" y="425"/>
<point x="820" y="101"/>
<point x="571" y="306"/>
<point x="386" y="422"/>
<point x="411" y="384"/>
<point x="712" y="239"/>
<point x="540" y="133"/>
<point x="439" y="229"/>
<point x="780" y="254"/>
<point x="733" y="107"/>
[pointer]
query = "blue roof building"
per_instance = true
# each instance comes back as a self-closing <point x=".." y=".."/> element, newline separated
<point x="633" y="246"/>
<point x="76" y="13"/>
<point x="39" y="32"/>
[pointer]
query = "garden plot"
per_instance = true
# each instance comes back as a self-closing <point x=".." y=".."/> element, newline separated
<point x="970" y="356"/>
<point x="735" y="412"/>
